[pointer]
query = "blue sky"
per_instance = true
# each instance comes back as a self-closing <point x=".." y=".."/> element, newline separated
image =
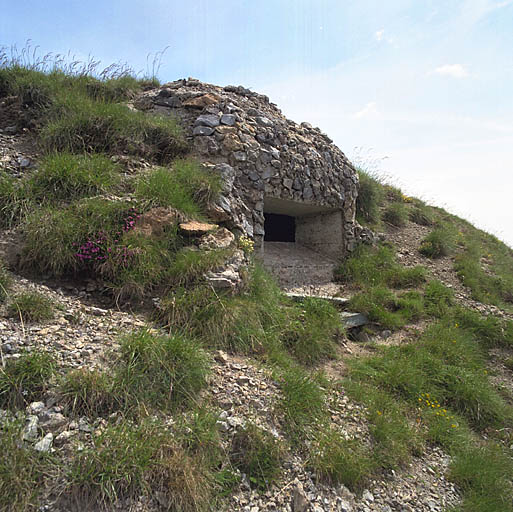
<point x="424" y="88"/>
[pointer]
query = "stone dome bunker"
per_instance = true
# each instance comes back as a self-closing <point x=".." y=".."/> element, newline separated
<point x="311" y="225"/>
<point x="269" y="167"/>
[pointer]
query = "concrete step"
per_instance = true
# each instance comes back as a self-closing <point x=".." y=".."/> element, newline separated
<point x="351" y="320"/>
<point x="339" y="301"/>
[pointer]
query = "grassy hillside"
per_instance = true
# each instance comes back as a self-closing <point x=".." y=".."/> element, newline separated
<point x="150" y="426"/>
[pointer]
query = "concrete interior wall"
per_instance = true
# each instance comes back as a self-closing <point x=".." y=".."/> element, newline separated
<point x="322" y="232"/>
<point x="316" y="227"/>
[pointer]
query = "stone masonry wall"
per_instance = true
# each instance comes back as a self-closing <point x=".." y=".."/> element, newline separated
<point x="259" y="154"/>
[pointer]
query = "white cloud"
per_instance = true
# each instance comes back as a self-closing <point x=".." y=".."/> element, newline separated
<point x="454" y="70"/>
<point x="369" y="111"/>
<point x="379" y="34"/>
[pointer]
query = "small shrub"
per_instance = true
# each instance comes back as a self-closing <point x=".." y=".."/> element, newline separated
<point x="257" y="453"/>
<point x="341" y="461"/>
<point x="440" y="242"/>
<point x="23" y="471"/>
<point x="64" y="177"/>
<point x="164" y="371"/>
<point x="31" y="307"/>
<point x="23" y="380"/>
<point x="396" y="214"/>
<point x="369" y="199"/>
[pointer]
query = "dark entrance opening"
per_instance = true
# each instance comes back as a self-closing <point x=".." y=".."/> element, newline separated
<point x="279" y="228"/>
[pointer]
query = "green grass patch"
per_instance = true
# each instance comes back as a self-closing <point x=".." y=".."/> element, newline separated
<point x="371" y="266"/>
<point x="164" y="371"/>
<point x="25" y="379"/>
<point x="189" y="264"/>
<point x="422" y="215"/>
<point x="258" y="454"/>
<point x="369" y="199"/>
<point x="446" y="362"/>
<point x="486" y="266"/>
<point x="341" y="461"/>
<point x="260" y="320"/>
<point x="385" y="308"/>
<point x="90" y="393"/>
<point x="440" y="242"/>
<point x="396" y="214"/>
<point x="80" y="124"/>
<point x="31" y="307"/>
<point x="187" y="186"/>
<point x="438" y="299"/>
<point x="128" y="460"/>
<point x="23" y="471"/>
<point x="54" y="235"/>
<point x="65" y="177"/>
<point x="5" y="282"/>
<point x="15" y="200"/>
<point x="484" y="473"/>
<point x="302" y="405"/>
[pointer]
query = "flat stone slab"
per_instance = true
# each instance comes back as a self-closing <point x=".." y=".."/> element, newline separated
<point x="194" y="228"/>
<point x="335" y="300"/>
<point x="351" y="320"/>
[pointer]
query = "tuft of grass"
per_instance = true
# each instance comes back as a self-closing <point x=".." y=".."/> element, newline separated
<point x="383" y="307"/>
<point x="369" y="199"/>
<point x="65" y="177"/>
<point x="377" y="266"/>
<point x="258" y="454"/>
<point x="187" y="186"/>
<point x="53" y="234"/>
<point x="484" y="474"/>
<point x="440" y="242"/>
<point x="31" y="307"/>
<point x="80" y="124"/>
<point x="448" y="363"/>
<point x="23" y="471"/>
<point x="341" y="461"/>
<point x="438" y="299"/>
<point x="5" y="282"/>
<point x="163" y="371"/>
<point x="89" y="393"/>
<point x="301" y="404"/>
<point x="396" y="214"/>
<point x="190" y="265"/>
<point x="485" y="266"/>
<point x="309" y="336"/>
<point x="491" y="331"/>
<point x="15" y="201"/>
<point x="129" y="460"/>
<point x="422" y="215"/>
<point x="23" y="380"/>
